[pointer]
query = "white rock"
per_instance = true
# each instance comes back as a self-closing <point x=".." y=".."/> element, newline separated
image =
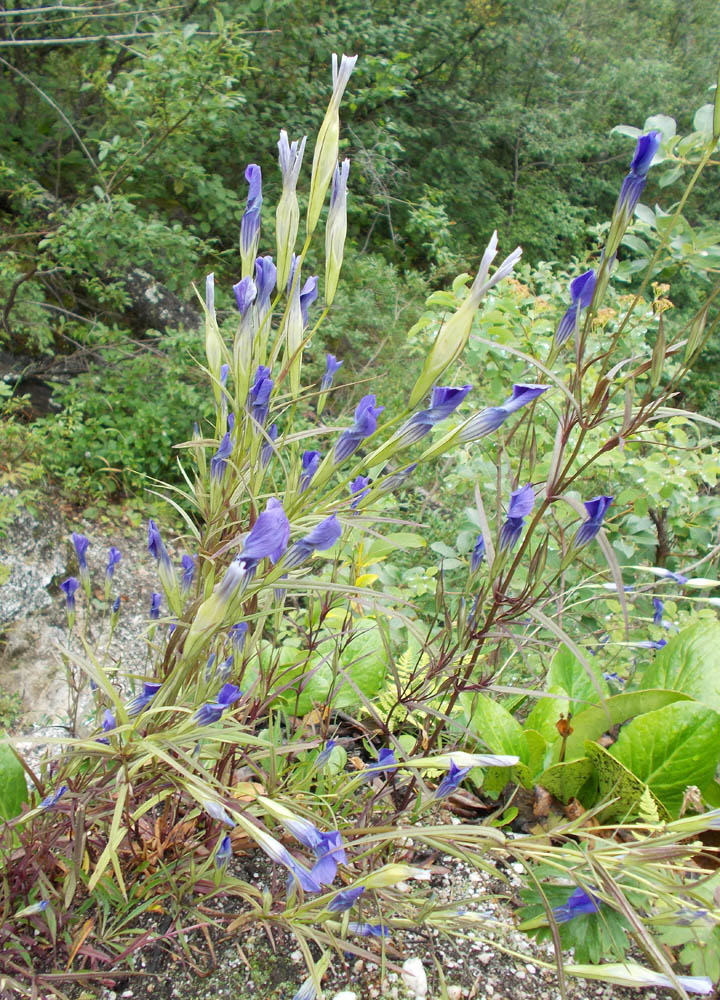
<point x="345" y="995"/>
<point x="454" y="992"/>
<point x="414" y="978"/>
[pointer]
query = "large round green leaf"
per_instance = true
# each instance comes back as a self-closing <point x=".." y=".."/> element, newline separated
<point x="363" y="662"/>
<point x="689" y="663"/>
<point x="671" y="748"/>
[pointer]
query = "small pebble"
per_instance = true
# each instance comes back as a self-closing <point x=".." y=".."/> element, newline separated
<point x="454" y="992"/>
<point x="345" y="995"/>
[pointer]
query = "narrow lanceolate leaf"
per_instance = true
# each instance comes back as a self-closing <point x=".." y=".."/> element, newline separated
<point x="716" y="110"/>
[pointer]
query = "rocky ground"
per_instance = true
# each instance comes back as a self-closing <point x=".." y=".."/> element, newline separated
<point x="36" y="554"/>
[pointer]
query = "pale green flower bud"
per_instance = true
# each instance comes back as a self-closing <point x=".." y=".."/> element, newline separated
<point x="453" y="335"/>
<point x="213" y="341"/>
<point x="336" y="230"/>
<point x="287" y="216"/>
<point x="326" y="147"/>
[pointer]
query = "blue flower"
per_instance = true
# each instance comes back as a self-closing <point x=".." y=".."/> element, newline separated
<point x="596" y="510"/>
<point x="238" y="635"/>
<point x="275" y="850"/>
<point x="478" y="554"/>
<point x="259" y="394"/>
<point x="155" y="544"/>
<point x="323" y="536"/>
<point x="324" y="756"/>
<point x="220" y="458"/>
<point x="52" y="800"/>
<point x="265" y="277"/>
<point x="155" y="602"/>
<point x="268" y="537"/>
<point x="650" y="644"/>
<point x="658" y="608"/>
<point x="267" y="450"/>
<point x="521" y="503"/>
<point x="217" y="811"/>
<point x="345" y="899"/>
<point x="452" y="780"/>
<point x="359" y="488"/>
<point x="308" y="294"/>
<point x="386" y="762"/>
<point x="332" y="365"/>
<point x="141" y="701"/>
<point x="209" y="668"/>
<point x="81" y="544"/>
<point x="310" y="465"/>
<point x="226" y="667"/>
<point x="245" y="293"/>
<point x="250" y="224"/>
<point x="330" y="853"/>
<point x="211" y="711"/>
<point x="108" y="724"/>
<point x="368" y="930"/>
<point x="114" y="557"/>
<point x="116" y="605"/>
<point x="188" y="574"/>
<point x="582" y="290"/>
<point x="444" y="400"/>
<point x="69" y="587"/>
<point x="635" y="181"/>
<point x="224" y="852"/>
<point x="578" y="904"/>
<point x="488" y="420"/>
<point x="366" y="414"/>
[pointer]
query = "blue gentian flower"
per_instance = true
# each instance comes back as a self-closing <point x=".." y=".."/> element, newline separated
<point x="52" y="800"/>
<point x="265" y="277"/>
<point x="308" y="294"/>
<point x="223" y="853"/>
<point x="245" y="293"/>
<point x="359" y="488"/>
<point x="310" y="465"/>
<point x="216" y="810"/>
<point x="211" y="711"/>
<point x="386" y="762"/>
<point x="81" y="543"/>
<point x="452" y="780"/>
<point x="368" y="930"/>
<point x="259" y="394"/>
<point x="108" y="724"/>
<point x="650" y="644"/>
<point x="275" y="850"/>
<point x="250" y="224"/>
<point x="141" y="701"/>
<point x="268" y="538"/>
<point x="267" y="450"/>
<point x="155" y="602"/>
<point x="209" y="667"/>
<point x="478" y="554"/>
<point x="444" y="400"/>
<point x="155" y="544"/>
<point x="582" y="290"/>
<point x="324" y="756"/>
<point x="69" y="587"/>
<point x="332" y="365"/>
<point x="323" y="536"/>
<point x="596" y="510"/>
<point x="390" y="483"/>
<point x="670" y="575"/>
<point x="188" y="574"/>
<point x="116" y="605"/>
<point x="578" y="904"/>
<point x="220" y="458"/>
<point x="238" y="635"/>
<point x="345" y="899"/>
<point x="658" y="608"/>
<point x="226" y="667"/>
<point x="114" y="557"/>
<point x="366" y="414"/>
<point x="489" y="419"/>
<point x="330" y="853"/>
<point x="521" y="503"/>
<point x="635" y="181"/>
